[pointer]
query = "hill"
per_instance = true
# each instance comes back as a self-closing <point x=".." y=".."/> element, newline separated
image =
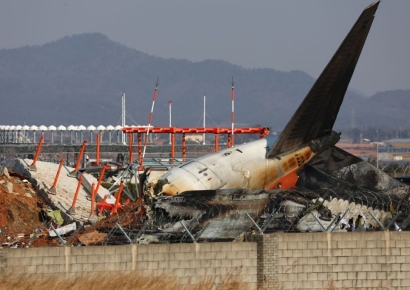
<point x="80" y="79"/>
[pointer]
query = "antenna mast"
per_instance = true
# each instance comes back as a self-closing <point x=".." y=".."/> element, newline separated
<point x="203" y="137"/>
<point x="123" y="117"/>
<point x="233" y="110"/>
<point x="170" y="119"/>
<point x="149" y="121"/>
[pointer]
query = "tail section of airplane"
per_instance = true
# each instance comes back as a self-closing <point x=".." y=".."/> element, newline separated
<point x="224" y="192"/>
<point x="309" y="132"/>
<point x="317" y="114"/>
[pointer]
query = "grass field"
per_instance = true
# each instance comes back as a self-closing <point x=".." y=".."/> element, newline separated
<point x="114" y="281"/>
<point x="118" y="281"/>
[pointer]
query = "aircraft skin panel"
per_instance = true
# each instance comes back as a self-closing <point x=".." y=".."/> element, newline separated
<point x="240" y="167"/>
<point x="286" y="165"/>
<point x="317" y="114"/>
<point x="186" y="179"/>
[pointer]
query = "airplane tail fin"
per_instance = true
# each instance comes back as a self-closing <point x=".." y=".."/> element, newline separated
<point x="317" y="114"/>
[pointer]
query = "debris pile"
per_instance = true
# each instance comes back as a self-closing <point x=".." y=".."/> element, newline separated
<point x="20" y="212"/>
<point x="32" y="216"/>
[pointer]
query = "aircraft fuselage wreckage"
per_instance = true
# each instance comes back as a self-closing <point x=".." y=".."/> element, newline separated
<point x="299" y="181"/>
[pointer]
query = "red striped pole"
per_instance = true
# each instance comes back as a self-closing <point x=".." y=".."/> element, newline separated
<point x="130" y="146"/>
<point x="149" y="122"/>
<point x="233" y="110"/>
<point x="170" y="119"/>
<point x="183" y="148"/>
<point x="217" y="140"/>
<point x="172" y="148"/>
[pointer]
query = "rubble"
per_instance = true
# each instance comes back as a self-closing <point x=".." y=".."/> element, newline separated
<point x="43" y="179"/>
<point x="354" y="196"/>
<point x="324" y="200"/>
<point x="92" y="238"/>
<point x="28" y="212"/>
<point x="19" y="214"/>
<point x="63" y="230"/>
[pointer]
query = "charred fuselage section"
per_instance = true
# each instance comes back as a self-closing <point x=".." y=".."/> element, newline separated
<point x="336" y="191"/>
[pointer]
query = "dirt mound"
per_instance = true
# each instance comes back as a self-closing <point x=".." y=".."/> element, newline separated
<point x="19" y="211"/>
<point x="19" y="208"/>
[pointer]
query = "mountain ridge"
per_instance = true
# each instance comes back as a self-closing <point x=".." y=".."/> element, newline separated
<point x="79" y="79"/>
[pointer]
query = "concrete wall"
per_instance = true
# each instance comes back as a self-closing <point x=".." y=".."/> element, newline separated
<point x="191" y="263"/>
<point x="372" y="260"/>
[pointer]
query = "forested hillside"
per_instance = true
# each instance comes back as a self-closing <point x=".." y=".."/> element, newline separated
<point x="80" y="79"/>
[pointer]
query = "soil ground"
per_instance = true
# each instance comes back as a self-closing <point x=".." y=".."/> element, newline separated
<point x="20" y="217"/>
<point x="19" y="213"/>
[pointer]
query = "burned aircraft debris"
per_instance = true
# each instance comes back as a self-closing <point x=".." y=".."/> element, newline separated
<point x="300" y="180"/>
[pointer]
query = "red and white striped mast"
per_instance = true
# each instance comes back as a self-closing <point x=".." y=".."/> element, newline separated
<point x="203" y="137"/>
<point x="170" y="119"/>
<point x="233" y="110"/>
<point x="123" y="117"/>
<point x="149" y="122"/>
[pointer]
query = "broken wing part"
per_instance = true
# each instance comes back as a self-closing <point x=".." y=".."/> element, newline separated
<point x="316" y="115"/>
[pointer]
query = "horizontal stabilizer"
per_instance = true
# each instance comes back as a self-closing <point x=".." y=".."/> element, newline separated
<point x="317" y="114"/>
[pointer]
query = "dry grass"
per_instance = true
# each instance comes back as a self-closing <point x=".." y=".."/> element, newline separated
<point x="112" y="280"/>
<point x="118" y="281"/>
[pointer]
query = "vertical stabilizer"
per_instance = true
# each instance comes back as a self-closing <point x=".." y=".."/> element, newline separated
<point x="317" y="114"/>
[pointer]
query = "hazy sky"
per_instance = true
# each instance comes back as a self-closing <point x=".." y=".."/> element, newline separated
<point x="284" y="35"/>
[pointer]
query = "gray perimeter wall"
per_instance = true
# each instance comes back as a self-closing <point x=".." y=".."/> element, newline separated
<point x="372" y="260"/>
<point x="367" y="260"/>
<point x="190" y="263"/>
